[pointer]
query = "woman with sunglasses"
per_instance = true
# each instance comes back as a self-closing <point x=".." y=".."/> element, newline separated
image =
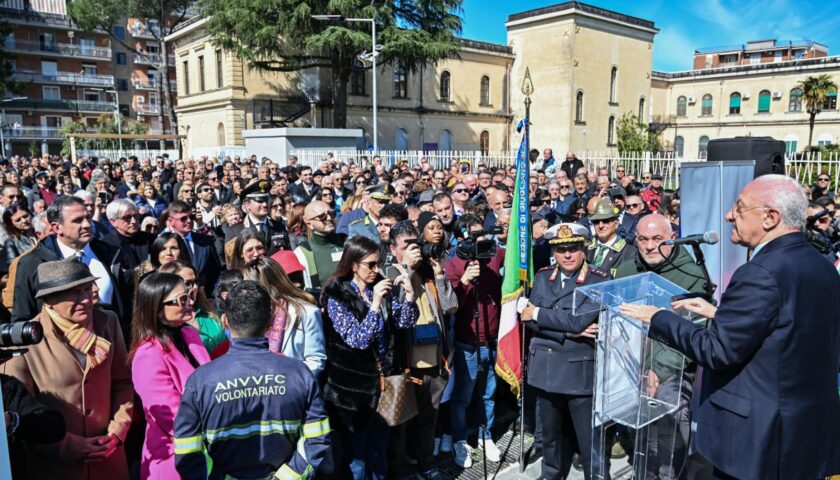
<point x="18" y="223"/>
<point x="164" y="352"/>
<point x="363" y="317"/>
<point x="359" y="184"/>
<point x="205" y="320"/>
<point x="327" y="195"/>
<point x="297" y="330"/>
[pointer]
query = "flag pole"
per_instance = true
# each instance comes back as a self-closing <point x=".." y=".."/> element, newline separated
<point x="527" y="90"/>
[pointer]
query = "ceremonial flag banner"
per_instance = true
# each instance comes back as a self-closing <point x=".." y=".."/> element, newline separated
<point x="519" y="271"/>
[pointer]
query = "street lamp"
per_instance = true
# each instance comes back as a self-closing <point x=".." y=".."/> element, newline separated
<point x="364" y="56"/>
<point x="2" y="125"/>
<point x="116" y="113"/>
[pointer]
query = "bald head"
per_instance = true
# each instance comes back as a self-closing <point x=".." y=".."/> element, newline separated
<point x="319" y="218"/>
<point x="497" y="200"/>
<point x="651" y="231"/>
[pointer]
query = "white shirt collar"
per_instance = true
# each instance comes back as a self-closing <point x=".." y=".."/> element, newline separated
<point x="67" y="252"/>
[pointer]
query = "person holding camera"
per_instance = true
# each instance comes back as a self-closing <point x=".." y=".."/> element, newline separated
<point x="430" y="348"/>
<point x="362" y="319"/>
<point x="477" y="282"/>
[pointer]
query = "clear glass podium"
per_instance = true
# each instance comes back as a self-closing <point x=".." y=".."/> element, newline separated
<point x="638" y="395"/>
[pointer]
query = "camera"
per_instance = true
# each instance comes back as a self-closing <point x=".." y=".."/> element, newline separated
<point x="429" y="250"/>
<point x="824" y="241"/>
<point x="20" y="334"/>
<point x="471" y="248"/>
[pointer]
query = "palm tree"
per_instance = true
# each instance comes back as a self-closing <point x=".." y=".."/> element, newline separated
<point x="814" y="91"/>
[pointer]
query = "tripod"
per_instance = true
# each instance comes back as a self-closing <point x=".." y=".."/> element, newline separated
<point x="481" y="380"/>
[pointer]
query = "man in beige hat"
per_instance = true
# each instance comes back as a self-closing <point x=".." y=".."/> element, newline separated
<point x="79" y="369"/>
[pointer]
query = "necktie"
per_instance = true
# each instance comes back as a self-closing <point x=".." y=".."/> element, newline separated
<point x="80" y="256"/>
<point x="600" y="253"/>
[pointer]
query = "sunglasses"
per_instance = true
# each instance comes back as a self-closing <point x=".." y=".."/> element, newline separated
<point x="596" y="222"/>
<point x="632" y="205"/>
<point x="326" y="192"/>
<point x="323" y="217"/>
<point x="460" y="190"/>
<point x="182" y="300"/>
<point x="823" y="179"/>
<point x="182" y="218"/>
<point x="566" y="248"/>
<point x="360" y="182"/>
<point x="370" y="265"/>
<point x="129" y="218"/>
<point x="400" y="193"/>
<point x="565" y="186"/>
<point x="277" y="205"/>
<point x="645" y="178"/>
<point x="206" y="190"/>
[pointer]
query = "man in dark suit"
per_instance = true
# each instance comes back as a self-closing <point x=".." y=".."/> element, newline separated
<point x="571" y="165"/>
<point x="306" y="191"/>
<point x="255" y="203"/>
<point x="768" y="406"/>
<point x="222" y="195"/>
<point x="562" y="352"/>
<point x="201" y="248"/>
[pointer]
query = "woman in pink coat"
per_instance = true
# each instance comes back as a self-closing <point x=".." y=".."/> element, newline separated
<point x="165" y="351"/>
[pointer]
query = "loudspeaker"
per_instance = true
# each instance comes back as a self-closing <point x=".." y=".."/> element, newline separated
<point x="768" y="153"/>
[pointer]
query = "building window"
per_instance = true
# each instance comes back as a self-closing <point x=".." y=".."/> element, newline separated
<point x="679" y="147"/>
<point x="764" y="101"/>
<point x="681" y="106"/>
<point x="830" y="102"/>
<point x="401" y="139"/>
<point x="579" y="107"/>
<point x="220" y="72"/>
<point x="186" y="73"/>
<point x="825" y="140"/>
<point x="611" y="131"/>
<point x="755" y="58"/>
<point x="220" y="134"/>
<point x="445" y="84"/>
<point x="445" y="140"/>
<point x="357" y="79"/>
<point x="52" y="93"/>
<point x="122" y="84"/>
<point x="799" y="54"/>
<point x="201" y="73"/>
<point x="400" y="82"/>
<point x="642" y="113"/>
<point x="795" y="102"/>
<point x="790" y="146"/>
<point x="777" y="57"/>
<point x="706" y="106"/>
<point x="120" y="58"/>
<point x="485" y="90"/>
<point x="703" y="146"/>
<point x="613" y="84"/>
<point x="119" y="31"/>
<point x="484" y="142"/>
<point x="361" y="142"/>
<point x="735" y="104"/>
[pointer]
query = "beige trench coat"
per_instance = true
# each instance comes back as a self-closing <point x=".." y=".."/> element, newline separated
<point x="93" y="402"/>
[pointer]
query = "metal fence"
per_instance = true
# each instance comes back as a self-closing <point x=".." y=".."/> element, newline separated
<point x="139" y="153"/>
<point x="804" y="167"/>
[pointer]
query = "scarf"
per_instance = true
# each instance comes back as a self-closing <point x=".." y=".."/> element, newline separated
<point x="80" y="336"/>
<point x="277" y="330"/>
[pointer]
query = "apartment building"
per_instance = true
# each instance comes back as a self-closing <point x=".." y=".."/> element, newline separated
<point x="758" y="51"/>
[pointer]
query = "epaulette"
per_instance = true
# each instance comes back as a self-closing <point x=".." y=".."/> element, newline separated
<point x="619" y="244"/>
<point x="599" y="273"/>
<point x="357" y="220"/>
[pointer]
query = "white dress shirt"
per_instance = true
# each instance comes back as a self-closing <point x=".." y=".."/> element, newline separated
<point x="97" y="269"/>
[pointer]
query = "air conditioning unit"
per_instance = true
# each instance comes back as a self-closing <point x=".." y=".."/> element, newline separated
<point x="777" y="94"/>
<point x="692" y="100"/>
<point x="745" y="96"/>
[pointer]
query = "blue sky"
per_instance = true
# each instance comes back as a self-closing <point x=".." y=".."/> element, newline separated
<point x="685" y="25"/>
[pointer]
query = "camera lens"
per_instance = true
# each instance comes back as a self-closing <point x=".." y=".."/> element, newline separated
<point x="20" y="334"/>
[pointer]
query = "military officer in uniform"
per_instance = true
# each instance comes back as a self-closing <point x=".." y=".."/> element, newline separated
<point x="561" y="360"/>
<point x="377" y="197"/>
<point x="607" y="250"/>
<point x="255" y="203"/>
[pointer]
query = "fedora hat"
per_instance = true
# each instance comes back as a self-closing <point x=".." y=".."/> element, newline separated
<point x="61" y="275"/>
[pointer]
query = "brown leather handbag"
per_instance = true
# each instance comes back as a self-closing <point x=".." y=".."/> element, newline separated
<point x="397" y="401"/>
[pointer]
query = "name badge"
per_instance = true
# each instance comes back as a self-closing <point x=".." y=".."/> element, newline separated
<point x="336" y="256"/>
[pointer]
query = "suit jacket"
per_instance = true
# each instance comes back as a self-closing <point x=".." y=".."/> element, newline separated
<point x="619" y="252"/>
<point x="571" y="167"/>
<point x="299" y="195"/>
<point x="224" y="196"/>
<point x="276" y="237"/>
<point x="159" y="377"/>
<point x="93" y="401"/>
<point x="627" y="228"/>
<point x="205" y="259"/>
<point x="557" y="363"/>
<point x="768" y="406"/>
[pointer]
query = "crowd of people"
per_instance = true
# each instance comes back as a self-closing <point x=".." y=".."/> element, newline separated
<point x="243" y="318"/>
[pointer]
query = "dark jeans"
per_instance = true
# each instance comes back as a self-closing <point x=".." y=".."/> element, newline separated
<point x="365" y="451"/>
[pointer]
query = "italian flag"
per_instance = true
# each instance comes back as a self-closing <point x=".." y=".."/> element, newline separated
<point x="518" y="273"/>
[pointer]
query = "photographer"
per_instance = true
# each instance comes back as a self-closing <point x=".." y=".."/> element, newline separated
<point x="430" y="349"/>
<point x="822" y="230"/>
<point x="477" y="283"/>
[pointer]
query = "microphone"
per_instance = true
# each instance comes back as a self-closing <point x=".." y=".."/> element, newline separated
<point x="710" y="238"/>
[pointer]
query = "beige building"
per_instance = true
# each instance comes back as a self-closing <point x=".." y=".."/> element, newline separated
<point x="456" y="104"/>
<point x="759" y="99"/>
<point x="588" y="67"/>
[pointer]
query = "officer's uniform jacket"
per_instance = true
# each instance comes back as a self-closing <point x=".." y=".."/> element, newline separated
<point x="558" y="363"/>
<point x="617" y="253"/>
<point x="254" y="414"/>
<point x="365" y="227"/>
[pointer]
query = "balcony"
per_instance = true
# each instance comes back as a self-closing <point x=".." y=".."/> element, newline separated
<point x="152" y="59"/>
<point x="147" y="109"/>
<point x="72" y="105"/>
<point x="32" y="133"/>
<point x="141" y="30"/>
<point x="66" y="78"/>
<point x="152" y="84"/>
<point x="60" y="49"/>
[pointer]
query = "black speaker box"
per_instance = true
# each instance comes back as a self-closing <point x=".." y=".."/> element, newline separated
<point x="768" y="153"/>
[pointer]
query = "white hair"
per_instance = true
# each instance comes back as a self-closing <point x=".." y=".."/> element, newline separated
<point x="786" y="195"/>
<point x="83" y="194"/>
<point x="118" y="207"/>
<point x="39" y="222"/>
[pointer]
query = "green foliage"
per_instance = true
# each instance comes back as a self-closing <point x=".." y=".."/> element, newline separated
<point x="634" y="136"/>
<point x="34" y="149"/>
<point x="105" y="124"/>
<point x="281" y="36"/>
<point x="815" y="89"/>
<point x="7" y="85"/>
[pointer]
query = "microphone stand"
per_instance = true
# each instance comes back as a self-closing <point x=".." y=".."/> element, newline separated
<point x="700" y="260"/>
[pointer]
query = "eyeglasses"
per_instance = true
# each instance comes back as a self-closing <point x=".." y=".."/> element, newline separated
<point x="400" y="193"/>
<point x="620" y="170"/>
<point x="277" y="205"/>
<point x="323" y="216"/>
<point x="326" y="192"/>
<point x="370" y="265"/>
<point x="646" y="177"/>
<point x="824" y="179"/>
<point x="129" y="218"/>
<point x="565" y="187"/>
<point x="182" y="218"/>
<point x="182" y="300"/>
<point x="565" y="248"/>
<point x="740" y="210"/>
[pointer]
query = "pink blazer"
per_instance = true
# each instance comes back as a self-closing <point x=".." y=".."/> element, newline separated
<point x="159" y="378"/>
